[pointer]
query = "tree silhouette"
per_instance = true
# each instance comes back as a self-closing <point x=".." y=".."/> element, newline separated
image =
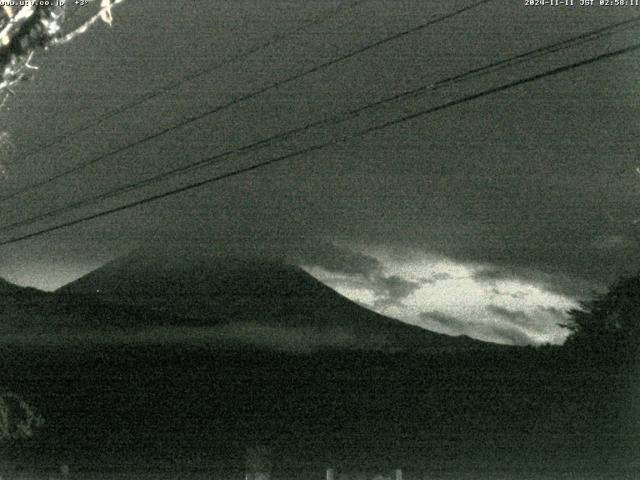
<point x="27" y="27"/>
<point x="17" y="418"/>
<point x="609" y="324"/>
<point x="18" y="423"/>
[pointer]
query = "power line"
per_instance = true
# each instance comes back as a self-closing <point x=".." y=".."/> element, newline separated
<point x="335" y="119"/>
<point x="243" y="98"/>
<point x="321" y="146"/>
<point x="491" y="91"/>
<point x="187" y="78"/>
<point x="541" y="51"/>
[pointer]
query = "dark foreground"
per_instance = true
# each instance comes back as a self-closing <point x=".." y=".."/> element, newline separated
<point x="182" y="412"/>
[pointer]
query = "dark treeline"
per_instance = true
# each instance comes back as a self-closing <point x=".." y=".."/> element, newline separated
<point x="513" y="410"/>
<point x="503" y="412"/>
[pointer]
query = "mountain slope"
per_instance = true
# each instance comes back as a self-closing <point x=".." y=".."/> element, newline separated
<point x="264" y="296"/>
<point x="8" y="289"/>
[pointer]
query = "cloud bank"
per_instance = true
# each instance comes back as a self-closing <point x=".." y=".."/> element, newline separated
<point x="484" y="301"/>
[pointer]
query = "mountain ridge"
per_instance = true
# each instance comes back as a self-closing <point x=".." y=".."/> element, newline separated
<point x="247" y="291"/>
<point x="195" y="299"/>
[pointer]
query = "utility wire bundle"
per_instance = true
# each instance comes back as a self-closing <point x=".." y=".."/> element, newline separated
<point x="330" y="138"/>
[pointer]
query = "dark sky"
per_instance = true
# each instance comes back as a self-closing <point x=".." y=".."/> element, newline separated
<point x="534" y="185"/>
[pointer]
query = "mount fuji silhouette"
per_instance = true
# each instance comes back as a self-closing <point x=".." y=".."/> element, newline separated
<point x="266" y="302"/>
<point x="291" y="364"/>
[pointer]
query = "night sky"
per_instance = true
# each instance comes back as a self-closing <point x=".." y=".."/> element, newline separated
<point x="489" y="218"/>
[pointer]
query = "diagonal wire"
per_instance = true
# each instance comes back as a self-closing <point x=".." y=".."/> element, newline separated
<point x="242" y="98"/>
<point x="335" y="119"/>
<point x="321" y="146"/>
<point x="173" y="85"/>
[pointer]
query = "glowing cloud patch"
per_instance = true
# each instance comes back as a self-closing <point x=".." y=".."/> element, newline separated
<point x="453" y="297"/>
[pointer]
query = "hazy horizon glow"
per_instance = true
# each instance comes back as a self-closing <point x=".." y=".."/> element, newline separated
<point x="48" y="277"/>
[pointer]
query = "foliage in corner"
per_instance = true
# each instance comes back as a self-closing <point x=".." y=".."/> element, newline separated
<point x="609" y="324"/>
<point x="18" y="420"/>
<point x="32" y="27"/>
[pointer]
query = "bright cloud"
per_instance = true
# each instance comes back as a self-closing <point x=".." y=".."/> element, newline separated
<point x="451" y="297"/>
